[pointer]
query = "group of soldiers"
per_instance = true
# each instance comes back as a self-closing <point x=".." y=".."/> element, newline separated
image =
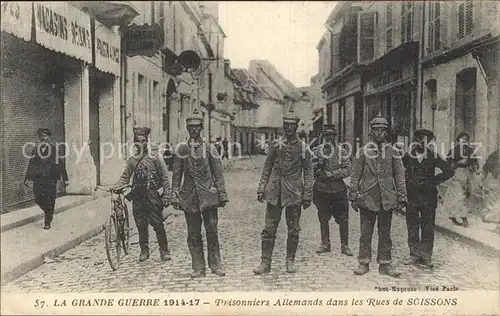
<point x="293" y="177"/>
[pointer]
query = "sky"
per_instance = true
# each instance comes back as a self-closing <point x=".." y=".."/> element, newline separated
<point x="285" y="33"/>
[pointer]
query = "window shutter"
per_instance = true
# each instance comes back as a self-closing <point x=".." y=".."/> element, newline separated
<point x="366" y="36"/>
<point x="335" y="53"/>
<point x="461" y="18"/>
<point x="468" y="17"/>
<point x="387" y="36"/>
<point x="437" y="25"/>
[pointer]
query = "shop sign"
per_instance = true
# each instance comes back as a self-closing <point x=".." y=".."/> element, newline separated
<point x="144" y="40"/>
<point x="63" y="28"/>
<point x="107" y="49"/>
<point x="16" y="18"/>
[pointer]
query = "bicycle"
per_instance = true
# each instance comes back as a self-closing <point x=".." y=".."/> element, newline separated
<point x="117" y="226"/>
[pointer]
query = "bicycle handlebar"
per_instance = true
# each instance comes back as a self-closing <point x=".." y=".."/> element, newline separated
<point x="114" y="190"/>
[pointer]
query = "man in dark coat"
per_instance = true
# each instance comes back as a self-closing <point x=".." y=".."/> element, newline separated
<point x="286" y="181"/>
<point x="203" y="191"/>
<point x="45" y="168"/>
<point x="331" y="166"/>
<point x="377" y="188"/>
<point x="421" y="184"/>
<point x="149" y="174"/>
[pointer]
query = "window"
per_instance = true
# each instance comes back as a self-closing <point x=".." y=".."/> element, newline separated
<point x="389" y="17"/>
<point x="342" y="121"/>
<point x="434" y="27"/>
<point x="335" y="47"/>
<point x="161" y="11"/>
<point x="366" y="36"/>
<point x="141" y="95"/>
<point x="465" y="101"/>
<point x="406" y="21"/>
<point x="465" y="18"/>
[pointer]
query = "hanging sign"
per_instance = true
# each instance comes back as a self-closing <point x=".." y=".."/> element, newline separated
<point x="143" y="40"/>
<point x="16" y="18"/>
<point x="107" y="49"/>
<point x="63" y="28"/>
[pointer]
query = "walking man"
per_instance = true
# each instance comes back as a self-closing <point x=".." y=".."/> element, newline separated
<point x="377" y="188"/>
<point x="421" y="184"/>
<point x="202" y="192"/>
<point x="286" y="181"/>
<point x="45" y="168"/>
<point x="149" y="174"/>
<point x="329" y="191"/>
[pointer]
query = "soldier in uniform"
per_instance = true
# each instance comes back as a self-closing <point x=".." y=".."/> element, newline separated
<point x="45" y="168"/>
<point x="202" y="192"/>
<point x="377" y="188"/>
<point x="421" y="182"/>
<point x="149" y="174"/>
<point x="286" y="181"/>
<point x="332" y="165"/>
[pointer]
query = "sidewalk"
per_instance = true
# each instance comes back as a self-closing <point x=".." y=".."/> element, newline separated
<point x="26" y="247"/>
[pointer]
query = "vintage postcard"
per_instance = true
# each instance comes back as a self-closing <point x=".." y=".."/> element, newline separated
<point x="250" y="158"/>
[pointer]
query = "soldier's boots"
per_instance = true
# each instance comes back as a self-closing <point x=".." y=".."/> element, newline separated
<point x="346" y="250"/>
<point x="324" y="248"/>
<point x="165" y="255"/>
<point x="219" y="271"/>
<point x="427" y="263"/>
<point x="197" y="273"/>
<point x="144" y="255"/>
<point x="362" y="269"/>
<point x="267" y="252"/>
<point x="389" y="270"/>
<point x="413" y="260"/>
<point x="290" y="266"/>
<point x="291" y="248"/>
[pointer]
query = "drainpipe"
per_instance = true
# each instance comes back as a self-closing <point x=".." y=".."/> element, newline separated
<point x="421" y="52"/>
<point x="123" y="94"/>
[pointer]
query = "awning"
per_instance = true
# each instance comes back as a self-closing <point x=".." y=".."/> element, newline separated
<point x="110" y="12"/>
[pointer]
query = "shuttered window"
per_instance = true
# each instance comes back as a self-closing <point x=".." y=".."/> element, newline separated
<point x="389" y="28"/>
<point x="434" y="27"/>
<point x="406" y="21"/>
<point x="335" y="65"/>
<point x="465" y="18"/>
<point x="366" y="36"/>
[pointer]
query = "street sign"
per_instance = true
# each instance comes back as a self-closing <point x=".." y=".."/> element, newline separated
<point x="143" y="40"/>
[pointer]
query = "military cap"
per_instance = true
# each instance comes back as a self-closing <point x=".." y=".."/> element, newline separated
<point x="194" y="119"/>
<point x="142" y="131"/>
<point x="290" y="117"/>
<point x="424" y="132"/>
<point x="379" y="121"/>
<point x="329" y="129"/>
<point x="45" y="131"/>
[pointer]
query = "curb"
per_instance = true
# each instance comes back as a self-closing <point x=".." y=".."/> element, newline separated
<point x="41" y="215"/>
<point x="34" y="263"/>
<point x="465" y="239"/>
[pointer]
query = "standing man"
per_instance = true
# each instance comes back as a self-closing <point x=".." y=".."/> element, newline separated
<point x="286" y="181"/>
<point x="149" y="173"/>
<point x="330" y="192"/>
<point x="377" y="188"/>
<point x="225" y="148"/>
<point x="45" y="168"/>
<point x="202" y="192"/>
<point x="421" y="184"/>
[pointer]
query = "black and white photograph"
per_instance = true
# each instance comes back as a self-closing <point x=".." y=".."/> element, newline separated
<point x="250" y="157"/>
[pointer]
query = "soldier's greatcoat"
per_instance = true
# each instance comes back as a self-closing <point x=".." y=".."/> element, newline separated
<point x="287" y="177"/>
<point x="202" y="173"/>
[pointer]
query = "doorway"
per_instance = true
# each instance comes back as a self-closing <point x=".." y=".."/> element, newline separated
<point x="465" y="102"/>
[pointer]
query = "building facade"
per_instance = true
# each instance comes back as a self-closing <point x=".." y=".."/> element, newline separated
<point x="64" y="76"/>
<point x="417" y="63"/>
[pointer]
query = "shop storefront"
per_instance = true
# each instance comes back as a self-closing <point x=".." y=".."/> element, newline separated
<point x="391" y="89"/>
<point x="38" y="83"/>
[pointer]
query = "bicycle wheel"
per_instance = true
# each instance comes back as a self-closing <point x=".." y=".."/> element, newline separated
<point x="126" y="230"/>
<point x="112" y="242"/>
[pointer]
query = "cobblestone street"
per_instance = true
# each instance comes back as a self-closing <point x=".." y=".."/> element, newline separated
<point x="85" y="268"/>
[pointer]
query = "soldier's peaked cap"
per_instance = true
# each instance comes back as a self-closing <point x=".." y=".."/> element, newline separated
<point x="379" y="121"/>
<point x="45" y="131"/>
<point x="290" y="117"/>
<point x="194" y="119"/>
<point x="142" y="131"/>
<point x="329" y="129"/>
<point x="424" y="132"/>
